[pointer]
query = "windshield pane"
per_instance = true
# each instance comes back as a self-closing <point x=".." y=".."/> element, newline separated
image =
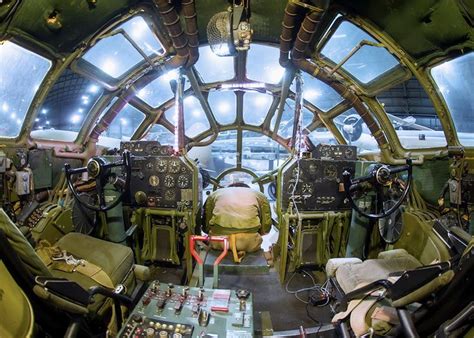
<point x="367" y="63"/>
<point x="256" y="106"/>
<point x="318" y="93"/>
<point x="113" y="55"/>
<point x="66" y="106"/>
<point x="213" y="68"/>
<point x="220" y="155"/>
<point x="159" y="91"/>
<point x="413" y="116"/>
<point x="287" y="119"/>
<point x="355" y="131"/>
<point x="260" y="153"/>
<point x="455" y="80"/>
<point x="21" y="74"/>
<point x="195" y="120"/>
<point x="322" y="135"/>
<point x="161" y="134"/>
<point x="125" y="123"/>
<point x="263" y="64"/>
<point x="223" y="106"/>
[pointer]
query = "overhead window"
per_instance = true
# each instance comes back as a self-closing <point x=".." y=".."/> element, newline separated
<point x="213" y="68"/>
<point x="355" y="131"/>
<point x="413" y="116"/>
<point x="263" y="64"/>
<point x="21" y="74"/>
<point x="318" y="93"/>
<point x="195" y="119"/>
<point x="256" y="106"/>
<point x="159" y="91"/>
<point x="65" y="108"/>
<point x="125" y="123"/>
<point x="223" y="106"/>
<point x="368" y="63"/>
<point x="115" y="55"/>
<point x="455" y="81"/>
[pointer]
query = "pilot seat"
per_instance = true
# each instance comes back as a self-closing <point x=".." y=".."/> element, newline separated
<point x="45" y="274"/>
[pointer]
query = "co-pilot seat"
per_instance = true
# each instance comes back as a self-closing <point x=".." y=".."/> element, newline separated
<point x="114" y="260"/>
<point x="240" y="213"/>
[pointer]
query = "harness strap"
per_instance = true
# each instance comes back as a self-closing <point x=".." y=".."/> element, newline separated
<point x="56" y="259"/>
<point x="238" y="255"/>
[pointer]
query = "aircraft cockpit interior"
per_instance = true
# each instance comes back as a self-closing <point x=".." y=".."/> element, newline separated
<point x="236" y="168"/>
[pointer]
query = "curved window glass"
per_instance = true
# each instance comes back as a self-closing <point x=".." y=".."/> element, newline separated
<point x="66" y="106"/>
<point x="318" y="93"/>
<point x="21" y="74"/>
<point x="220" y="155"/>
<point x="161" y="134"/>
<point x="213" y="68"/>
<point x="355" y="131"/>
<point x="115" y="55"/>
<point x="223" y="106"/>
<point x="159" y="91"/>
<point x="125" y="123"/>
<point x="455" y="80"/>
<point x="260" y="153"/>
<point x="413" y="116"/>
<point x="256" y="106"/>
<point x="195" y="120"/>
<point x="263" y="64"/>
<point x="285" y="129"/>
<point x="368" y="63"/>
<point x="321" y="135"/>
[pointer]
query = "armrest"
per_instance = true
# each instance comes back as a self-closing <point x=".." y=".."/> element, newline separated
<point x="65" y="288"/>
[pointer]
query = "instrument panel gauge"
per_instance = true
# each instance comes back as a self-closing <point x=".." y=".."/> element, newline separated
<point x="174" y="166"/>
<point x="348" y="153"/>
<point x="326" y="151"/>
<point x="170" y="195"/>
<point x="169" y="181"/>
<point x="152" y="149"/>
<point x="183" y="181"/>
<point x="149" y="165"/>
<point x="154" y="180"/>
<point x="307" y="188"/>
<point x="161" y="166"/>
<point x="330" y="172"/>
<point x="313" y="169"/>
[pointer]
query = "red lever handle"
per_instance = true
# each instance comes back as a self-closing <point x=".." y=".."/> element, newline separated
<point x="193" y="239"/>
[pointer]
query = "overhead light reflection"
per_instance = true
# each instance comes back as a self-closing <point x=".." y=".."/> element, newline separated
<point x="44" y="111"/>
<point x="5" y="107"/>
<point x="93" y="89"/>
<point x="110" y="67"/>
<point x="75" y="118"/>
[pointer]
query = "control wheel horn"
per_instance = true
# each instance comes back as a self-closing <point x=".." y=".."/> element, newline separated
<point x="99" y="169"/>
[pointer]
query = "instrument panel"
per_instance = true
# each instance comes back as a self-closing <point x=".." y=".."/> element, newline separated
<point x="159" y="178"/>
<point x="315" y="184"/>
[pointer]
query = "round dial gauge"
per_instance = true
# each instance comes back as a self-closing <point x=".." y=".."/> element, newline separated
<point x="149" y="165"/>
<point x="348" y="153"/>
<point x="326" y="151"/>
<point x="169" y="181"/>
<point x="307" y="189"/>
<point x="313" y="169"/>
<point x="154" y="180"/>
<point x="183" y="181"/>
<point x="174" y="166"/>
<point x="170" y="195"/>
<point x="152" y="149"/>
<point x="330" y="172"/>
<point x="161" y="166"/>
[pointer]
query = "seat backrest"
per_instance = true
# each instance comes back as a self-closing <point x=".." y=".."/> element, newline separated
<point x="25" y="252"/>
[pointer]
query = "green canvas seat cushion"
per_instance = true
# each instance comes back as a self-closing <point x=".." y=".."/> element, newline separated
<point x="22" y="247"/>
<point x="115" y="259"/>
<point x="352" y="276"/>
